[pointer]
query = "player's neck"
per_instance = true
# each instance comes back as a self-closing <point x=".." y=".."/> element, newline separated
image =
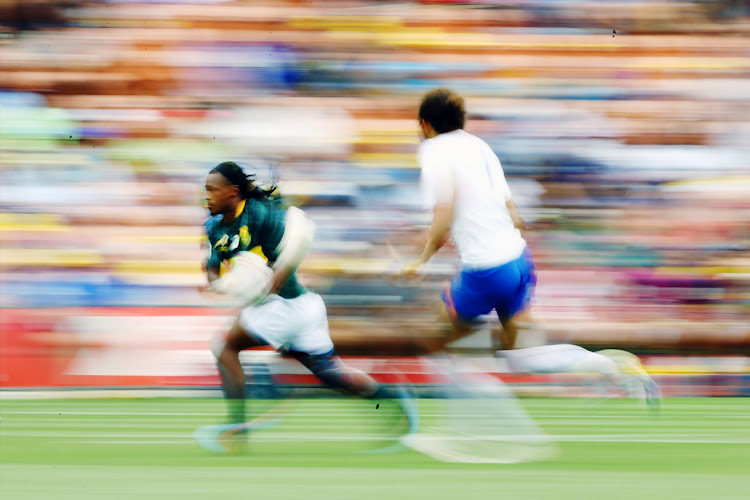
<point x="232" y="213"/>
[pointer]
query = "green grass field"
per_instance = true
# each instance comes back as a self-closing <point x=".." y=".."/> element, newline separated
<point x="697" y="448"/>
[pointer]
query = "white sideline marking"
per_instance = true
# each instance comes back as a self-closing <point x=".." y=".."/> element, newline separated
<point x="92" y="394"/>
<point x="113" y="413"/>
<point x="154" y="438"/>
<point x="364" y="412"/>
<point x="514" y="439"/>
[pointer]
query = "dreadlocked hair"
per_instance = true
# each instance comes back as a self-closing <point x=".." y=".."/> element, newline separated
<point x="245" y="183"/>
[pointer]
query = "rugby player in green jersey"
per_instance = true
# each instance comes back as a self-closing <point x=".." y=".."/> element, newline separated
<point x="289" y="317"/>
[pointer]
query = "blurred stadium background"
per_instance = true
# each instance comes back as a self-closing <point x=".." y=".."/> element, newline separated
<point x="623" y="127"/>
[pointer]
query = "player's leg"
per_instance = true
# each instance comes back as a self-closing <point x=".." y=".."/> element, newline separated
<point x="563" y="358"/>
<point x="634" y="377"/>
<point x="516" y="282"/>
<point x="227" y="353"/>
<point x="230" y="437"/>
<point x="311" y="344"/>
<point x="514" y="285"/>
<point x="558" y="358"/>
<point x="615" y="369"/>
<point x="335" y="374"/>
<point x="462" y="302"/>
<point x="471" y="294"/>
<point x="268" y="323"/>
<point x="508" y="334"/>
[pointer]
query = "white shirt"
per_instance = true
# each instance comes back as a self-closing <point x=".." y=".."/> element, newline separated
<point x="461" y="163"/>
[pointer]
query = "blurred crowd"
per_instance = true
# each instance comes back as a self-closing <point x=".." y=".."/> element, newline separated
<point x="623" y="128"/>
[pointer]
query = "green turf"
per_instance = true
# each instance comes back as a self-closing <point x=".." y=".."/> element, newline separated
<point x="697" y="448"/>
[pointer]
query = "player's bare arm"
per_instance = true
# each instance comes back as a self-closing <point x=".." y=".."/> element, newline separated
<point x="437" y="236"/>
<point x="299" y="232"/>
<point x="518" y="221"/>
<point x="212" y="274"/>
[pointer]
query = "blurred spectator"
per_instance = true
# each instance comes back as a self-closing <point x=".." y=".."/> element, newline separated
<point x="30" y="15"/>
<point x="622" y="126"/>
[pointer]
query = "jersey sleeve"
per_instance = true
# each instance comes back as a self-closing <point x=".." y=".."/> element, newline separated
<point x="502" y="185"/>
<point x="496" y="173"/>
<point x="271" y="229"/>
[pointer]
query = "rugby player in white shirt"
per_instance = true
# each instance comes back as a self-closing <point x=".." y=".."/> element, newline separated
<point x="464" y="185"/>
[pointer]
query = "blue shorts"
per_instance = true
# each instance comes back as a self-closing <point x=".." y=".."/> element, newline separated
<point x="507" y="289"/>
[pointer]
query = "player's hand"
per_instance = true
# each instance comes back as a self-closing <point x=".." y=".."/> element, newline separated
<point x="280" y="277"/>
<point x="209" y="293"/>
<point x="411" y="271"/>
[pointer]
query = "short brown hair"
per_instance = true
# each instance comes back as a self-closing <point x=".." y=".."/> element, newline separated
<point x="443" y="109"/>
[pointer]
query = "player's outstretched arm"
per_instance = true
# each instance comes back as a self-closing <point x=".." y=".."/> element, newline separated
<point x="212" y="274"/>
<point x="209" y="265"/>
<point x="437" y="236"/>
<point x="299" y="232"/>
<point x="517" y="219"/>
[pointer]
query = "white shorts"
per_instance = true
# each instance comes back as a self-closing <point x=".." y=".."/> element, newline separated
<point x="298" y="324"/>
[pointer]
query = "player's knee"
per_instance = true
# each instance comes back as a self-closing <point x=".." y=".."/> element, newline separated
<point x="218" y="344"/>
<point x="329" y="369"/>
<point x="335" y="378"/>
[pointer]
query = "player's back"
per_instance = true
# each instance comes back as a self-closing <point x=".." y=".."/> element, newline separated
<point x="482" y="227"/>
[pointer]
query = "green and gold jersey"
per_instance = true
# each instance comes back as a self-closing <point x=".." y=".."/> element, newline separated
<point x="258" y="228"/>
